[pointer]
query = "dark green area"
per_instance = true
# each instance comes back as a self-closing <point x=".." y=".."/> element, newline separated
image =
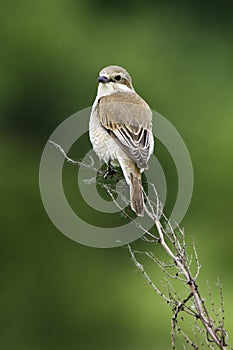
<point x="55" y="293"/>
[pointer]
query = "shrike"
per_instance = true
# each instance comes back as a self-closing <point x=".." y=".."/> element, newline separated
<point x="120" y="129"/>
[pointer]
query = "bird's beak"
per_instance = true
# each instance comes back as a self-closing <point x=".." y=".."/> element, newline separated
<point x="103" y="79"/>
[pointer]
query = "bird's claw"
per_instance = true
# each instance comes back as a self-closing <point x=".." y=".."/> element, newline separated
<point x="110" y="172"/>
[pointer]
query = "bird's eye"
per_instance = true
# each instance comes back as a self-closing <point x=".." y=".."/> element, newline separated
<point x="118" y="77"/>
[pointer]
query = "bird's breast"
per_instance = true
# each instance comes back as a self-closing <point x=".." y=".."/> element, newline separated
<point x="103" y="144"/>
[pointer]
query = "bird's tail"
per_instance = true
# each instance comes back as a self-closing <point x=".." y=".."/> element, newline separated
<point x="136" y="195"/>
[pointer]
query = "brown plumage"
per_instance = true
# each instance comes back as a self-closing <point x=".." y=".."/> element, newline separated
<point x="128" y="118"/>
<point x="121" y="129"/>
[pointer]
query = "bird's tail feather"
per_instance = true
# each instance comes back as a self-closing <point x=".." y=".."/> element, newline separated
<point x="136" y="195"/>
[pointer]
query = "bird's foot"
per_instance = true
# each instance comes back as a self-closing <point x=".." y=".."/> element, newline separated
<point x="110" y="172"/>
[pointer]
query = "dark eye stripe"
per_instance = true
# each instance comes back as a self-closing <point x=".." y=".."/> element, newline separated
<point x="118" y="77"/>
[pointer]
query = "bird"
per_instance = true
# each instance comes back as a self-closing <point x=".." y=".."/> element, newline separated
<point x="120" y="129"/>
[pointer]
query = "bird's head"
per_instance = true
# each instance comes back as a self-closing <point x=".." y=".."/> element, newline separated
<point x="113" y="79"/>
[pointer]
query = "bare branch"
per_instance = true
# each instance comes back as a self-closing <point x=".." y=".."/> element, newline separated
<point x="141" y="268"/>
<point x="186" y="299"/>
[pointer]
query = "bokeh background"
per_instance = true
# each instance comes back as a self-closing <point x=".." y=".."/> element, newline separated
<point x="55" y="293"/>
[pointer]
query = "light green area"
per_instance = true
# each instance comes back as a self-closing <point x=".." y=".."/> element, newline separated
<point x="56" y="294"/>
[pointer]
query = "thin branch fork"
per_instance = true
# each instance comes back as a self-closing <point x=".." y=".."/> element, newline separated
<point x="202" y="313"/>
<point x="176" y="250"/>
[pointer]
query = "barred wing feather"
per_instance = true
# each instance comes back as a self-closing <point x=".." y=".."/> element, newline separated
<point x="128" y="119"/>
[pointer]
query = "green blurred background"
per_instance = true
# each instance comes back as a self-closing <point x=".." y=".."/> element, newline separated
<point x="55" y="293"/>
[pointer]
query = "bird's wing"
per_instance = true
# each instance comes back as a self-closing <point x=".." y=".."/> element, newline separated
<point x="128" y="119"/>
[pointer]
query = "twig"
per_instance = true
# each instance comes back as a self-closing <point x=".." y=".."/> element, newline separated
<point x="179" y="268"/>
